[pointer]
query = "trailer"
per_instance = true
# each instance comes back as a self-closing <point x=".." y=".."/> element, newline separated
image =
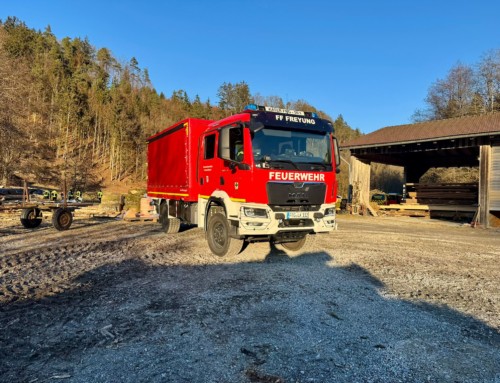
<point x="31" y="212"/>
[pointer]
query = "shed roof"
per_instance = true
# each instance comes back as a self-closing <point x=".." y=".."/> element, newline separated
<point x="429" y="131"/>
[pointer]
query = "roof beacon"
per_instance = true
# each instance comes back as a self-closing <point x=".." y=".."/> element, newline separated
<point x="251" y="107"/>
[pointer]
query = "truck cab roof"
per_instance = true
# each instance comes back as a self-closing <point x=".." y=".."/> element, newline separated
<point x="260" y="116"/>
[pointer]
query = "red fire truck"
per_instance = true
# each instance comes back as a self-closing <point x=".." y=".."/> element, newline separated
<point x="265" y="174"/>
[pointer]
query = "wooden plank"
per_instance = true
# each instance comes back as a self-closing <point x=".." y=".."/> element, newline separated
<point x="433" y="207"/>
<point x="360" y="175"/>
<point x="141" y="219"/>
<point x="371" y="210"/>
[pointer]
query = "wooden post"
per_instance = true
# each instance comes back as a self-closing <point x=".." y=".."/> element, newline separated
<point x="26" y="194"/>
<point x="484" y="184"/>
<point x="361" y="178"/>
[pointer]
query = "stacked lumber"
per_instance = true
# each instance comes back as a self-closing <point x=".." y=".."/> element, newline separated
<point x="405" y="212"/>
<point x="443" y="194"/>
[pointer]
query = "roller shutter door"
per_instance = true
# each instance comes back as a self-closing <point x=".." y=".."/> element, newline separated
<point x="495" y="179"/>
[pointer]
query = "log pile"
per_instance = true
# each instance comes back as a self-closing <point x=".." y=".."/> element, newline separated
<point x="442" y="194"/>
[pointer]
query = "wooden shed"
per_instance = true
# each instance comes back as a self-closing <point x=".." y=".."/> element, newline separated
<point x="472" y="141"/>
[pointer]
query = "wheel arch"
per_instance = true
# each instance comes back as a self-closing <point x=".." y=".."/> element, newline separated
<point x="213" y="201"/>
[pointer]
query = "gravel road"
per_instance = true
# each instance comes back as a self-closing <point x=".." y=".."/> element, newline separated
<point x="379" y="300"/>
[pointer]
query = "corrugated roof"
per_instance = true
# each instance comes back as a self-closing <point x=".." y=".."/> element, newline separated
<point x="430" y="130"/>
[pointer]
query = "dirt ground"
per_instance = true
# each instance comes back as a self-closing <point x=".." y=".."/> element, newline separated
<point x="379" y="300"/>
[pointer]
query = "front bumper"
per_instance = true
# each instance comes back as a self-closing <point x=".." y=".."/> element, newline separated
<point x="321" y="221"/>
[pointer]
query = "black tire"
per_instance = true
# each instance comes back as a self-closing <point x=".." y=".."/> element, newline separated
<point x="219" y="241"/>
<point x="169" y="225"/>
<point x="62" y="219"/>
<point x="31" y="218"/>
<point x="297" y="247"/>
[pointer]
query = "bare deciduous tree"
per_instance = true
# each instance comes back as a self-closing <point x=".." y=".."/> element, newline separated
<point x="452" y="96"/>
<point x="489" y="79"/>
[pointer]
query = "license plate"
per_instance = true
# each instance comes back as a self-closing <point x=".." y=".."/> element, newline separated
<point x="297" y="214"/>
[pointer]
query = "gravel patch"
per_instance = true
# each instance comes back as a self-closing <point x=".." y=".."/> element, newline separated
<point x="379" y="300"/>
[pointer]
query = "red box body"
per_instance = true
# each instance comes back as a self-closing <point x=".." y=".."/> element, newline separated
<point x="172" y="161"/>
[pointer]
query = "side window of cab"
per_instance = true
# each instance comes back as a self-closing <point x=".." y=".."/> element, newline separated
<point x="209" y="147"/>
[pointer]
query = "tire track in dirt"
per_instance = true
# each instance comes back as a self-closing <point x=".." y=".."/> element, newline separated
<point x="51" y="270"/>
<point x="53" y="265"/>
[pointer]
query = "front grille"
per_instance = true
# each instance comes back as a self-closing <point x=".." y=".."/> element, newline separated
<point x="298" y="193"/>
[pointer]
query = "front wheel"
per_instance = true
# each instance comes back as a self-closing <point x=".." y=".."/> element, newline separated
<point x="297" y="247"/>
<point x="62" y="219"/>
<point x="218" y="238"/>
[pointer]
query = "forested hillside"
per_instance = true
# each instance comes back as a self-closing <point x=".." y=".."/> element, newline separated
<point x="68" y="109"/>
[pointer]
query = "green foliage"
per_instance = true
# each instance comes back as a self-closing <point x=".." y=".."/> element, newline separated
<point x="233" y="98"/>
<point x="21" y="41"/>
<point x="92" y="113"/>
<point x="343" y="131"/>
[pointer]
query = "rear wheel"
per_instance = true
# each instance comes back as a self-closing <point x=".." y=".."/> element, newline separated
<point x="31" y="218"/>
<point x="297" y="247"/>
<point x="169" y="225"/>
<point x="62" y="219"/>
<point x="218" y="238"/>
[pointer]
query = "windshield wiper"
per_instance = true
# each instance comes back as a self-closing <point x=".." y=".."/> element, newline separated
<point x="314" y="164"/>
<point x="286" y="162"/>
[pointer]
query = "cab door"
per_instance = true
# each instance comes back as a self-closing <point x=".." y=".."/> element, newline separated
<point x="209" y="168"/>
<point x="233" y="150"/>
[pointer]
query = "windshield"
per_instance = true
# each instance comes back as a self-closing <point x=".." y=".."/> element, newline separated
<point x="275" y="147"/>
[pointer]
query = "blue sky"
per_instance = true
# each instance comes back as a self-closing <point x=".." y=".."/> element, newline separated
<point x="371" y="61"/>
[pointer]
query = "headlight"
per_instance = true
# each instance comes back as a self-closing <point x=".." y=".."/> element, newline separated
<point x="254" y="212"/>
<point x="330" y="211"/>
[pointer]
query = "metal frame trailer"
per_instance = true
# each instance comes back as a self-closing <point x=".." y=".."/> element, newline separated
<point x="31" y="213"/>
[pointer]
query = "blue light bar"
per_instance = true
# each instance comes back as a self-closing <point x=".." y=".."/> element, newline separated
<point x="251" y="107"/>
